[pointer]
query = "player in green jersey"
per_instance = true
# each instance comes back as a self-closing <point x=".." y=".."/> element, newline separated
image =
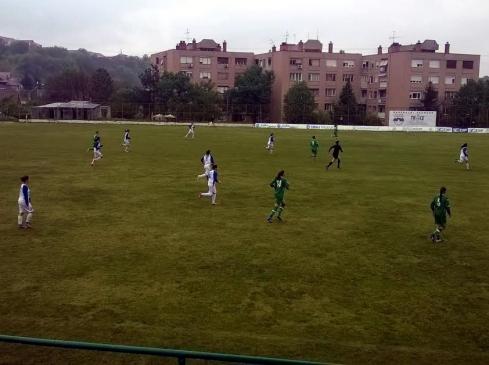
<point x="440" y="206"/>
<point x="314" y="146"/>
<point x="279" y="184"/>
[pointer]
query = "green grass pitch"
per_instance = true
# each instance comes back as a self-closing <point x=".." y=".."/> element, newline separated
<point x="126" y="253"/>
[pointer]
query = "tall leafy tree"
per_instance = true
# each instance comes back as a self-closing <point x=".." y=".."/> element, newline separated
<point x="252" y="92"/>
<point x="430" y="99"/>
<point x="468" y="101"/>
<point x="101" y="85"/>
<point x="299" y="104"/>
<point x="346" y="109"/>
<point x="68" y="85"/>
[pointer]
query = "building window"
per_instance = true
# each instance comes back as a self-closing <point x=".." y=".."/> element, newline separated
<point x="328" y="107"/>
<point x="222" y="89"/>
<point x="381" y="108"/>
<point x="295" y="61"/>
<point x="434" y="80"/>
<point x="330" y="92"/>
<point x="372" y="95"/>
<point x="315" y="92"/>
<point x="205" y="75"/>
<point x="416" y="63"/>
<point x="364" y="78"/>
<point x="330" y="77"/>
<point x="186" y="60"/>
<point x="451" y="63"/>
<point x="450" y="94"/>
<point x="468" y="65"/>
<point x="464" y="80"/>
<point x="365" y="64"/>
<point x="222" y="60"/>
<point x="295" y="76"/>
<point x="314" y="62"/>
<point x="222" y="75"/>
<point x="313" y="77"/>
<point x="348" y="77"/>
<point x="415" y="95"/>
<point x="450" y="80"/>
<point x="269" y="61"/>
<point x="416" y="79"/>
<point x="331" y="63"/>
<point x="348" y="64"/>
<point x="364" y="93"/>
<point x="240" y="61"/>
<point x="434" y="64"/>
<point x="382" y="93"/>
<point x="205" y="60"/>
<point x="187" y="73"/>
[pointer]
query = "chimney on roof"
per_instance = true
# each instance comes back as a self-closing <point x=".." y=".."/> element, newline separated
<point x="224" y="46"/>
<point x="379" y="49"/>
<point x="447" y="48"/>
<point x="194" y="44"/>
<point x="330" y="47"/>
<point x="274" y="48"/>
<point x="301" y="45"/>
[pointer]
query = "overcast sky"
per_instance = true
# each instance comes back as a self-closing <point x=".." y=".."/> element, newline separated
<point x="146" y="26"/>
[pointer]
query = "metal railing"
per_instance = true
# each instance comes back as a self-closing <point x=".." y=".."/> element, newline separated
<point x="180" y="355"/>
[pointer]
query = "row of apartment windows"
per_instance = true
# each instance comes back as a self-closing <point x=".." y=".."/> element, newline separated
<point x="418" y="95"/>
<point x="317" y="63"/>
<point x="297" y="76"/>
<point x="467" y="65"/>
<point x="329" y="92"/>
<point x="206" y="75"/>
<point x="186" y="60"/>
<point x="449" y="80"/>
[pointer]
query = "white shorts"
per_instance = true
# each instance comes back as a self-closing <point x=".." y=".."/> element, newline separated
<point x="126" y="142"/>
<point x="23" y="208"/>
<point x="207" y="167"/>
<point x="212" y="189"/>
<point x="463" y="158"/>
<point x="270" y="145"/>
<point x="97" y="154"/>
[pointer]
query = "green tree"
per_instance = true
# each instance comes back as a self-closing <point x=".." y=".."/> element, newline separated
<point x="299" y="104"/>
<point x="467" y="103"/>
<point x="346" y="110"/>
<point x="252" y="93"/>
<point x="101" y="85"/>
<point x="204" y="102"/>
<point x="430" y="99"/>
<point x="68" y="85"/>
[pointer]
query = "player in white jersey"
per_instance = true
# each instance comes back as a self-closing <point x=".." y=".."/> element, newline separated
<point x="24" y="218"/>
<point x="212" y="180"/>
<point x="126" y="140"/>
<point x="270" y="143"/>
<point x="190" y="130"/>
<point x="464" y="155"/>
<point x="207" y="161"/>
<point x="97" y="150"/>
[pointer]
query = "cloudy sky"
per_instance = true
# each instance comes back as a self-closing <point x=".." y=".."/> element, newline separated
<point x="146" y="26"/>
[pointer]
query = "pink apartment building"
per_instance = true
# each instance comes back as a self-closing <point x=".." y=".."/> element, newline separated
<point x="381" y="82"/>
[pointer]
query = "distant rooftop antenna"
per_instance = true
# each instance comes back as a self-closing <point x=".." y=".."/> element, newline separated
<point x="286" y="36"/>
<point x="394" y="36"/>
<point x="187" y="35"/>
<point x="272" y="43"/>
<point x="317" y="34"/>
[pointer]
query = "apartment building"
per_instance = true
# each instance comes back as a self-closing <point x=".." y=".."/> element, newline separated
<point x="385" y="81"/>
<point x="396" y="80"/>
<point x="204" y="60"/>
<point x="9" y="86"/>
<point x="324" y="72"/>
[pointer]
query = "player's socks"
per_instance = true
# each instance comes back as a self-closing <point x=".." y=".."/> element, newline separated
<point x="327" y="167"/>
<point x="339" y="162"/>
<point x="20" y="220"/>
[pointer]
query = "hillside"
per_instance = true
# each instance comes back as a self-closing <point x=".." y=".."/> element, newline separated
<point x="32" y="64"/>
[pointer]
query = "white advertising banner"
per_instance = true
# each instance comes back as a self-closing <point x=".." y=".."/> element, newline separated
<point x="412" y="118"/>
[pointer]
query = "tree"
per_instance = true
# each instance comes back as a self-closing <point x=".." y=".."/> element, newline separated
<point x="299" y="104"/>
<point x="430" y="100"/>
<point x="204" y="102"/>
<point x="467" y="102"/>
<point x="252" y="92"/>
<point x="68" y="85"/>
<point x="101" y="85"/>
<point x="346" y="109"/>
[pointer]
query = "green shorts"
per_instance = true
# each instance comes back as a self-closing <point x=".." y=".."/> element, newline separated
<point x="279" y="201"/>
<point x="441" y="220"/>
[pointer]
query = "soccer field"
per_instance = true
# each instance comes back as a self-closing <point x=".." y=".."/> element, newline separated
<point x="126" y="253"/>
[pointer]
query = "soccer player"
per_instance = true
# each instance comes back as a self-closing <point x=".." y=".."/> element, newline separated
<point x="126" y="140"/>
<point x="279" y="184"/>
<point x="336" y="154"/>
<point x="464" y="155"/>
<point x="212" y="180"/>
<point x="270" y="143"/>
<point x="335" y="130"/>
<point x="97" y="149"/>
<point x="96" y="138"/>
<point x="314" y="146"/>
<point x="440" y="206"/>
<point x="24" y="218"/>
<point x="207" y="161"/>
<point x="190" y="130"/>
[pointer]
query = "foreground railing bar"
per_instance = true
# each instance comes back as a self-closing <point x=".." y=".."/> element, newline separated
<point x="181" y="355"/>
